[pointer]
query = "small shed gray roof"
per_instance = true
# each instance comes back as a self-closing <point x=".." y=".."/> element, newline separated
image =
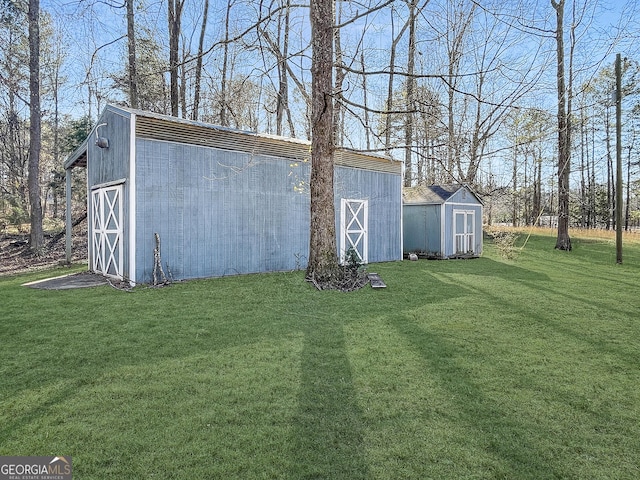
<point x="433" y="194"/>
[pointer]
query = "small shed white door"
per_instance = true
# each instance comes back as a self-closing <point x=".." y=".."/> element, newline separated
<point x="354" y="219"/>
<point x="106" y="234"/>
<point x="463" y="231"/>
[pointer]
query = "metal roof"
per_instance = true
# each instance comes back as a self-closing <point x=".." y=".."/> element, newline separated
<point x="433" y="194"/>
<point x="172" y="129"/>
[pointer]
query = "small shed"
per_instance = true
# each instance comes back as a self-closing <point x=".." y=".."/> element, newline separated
<point x="442" y="221"/>
<point x="223" y="201"/>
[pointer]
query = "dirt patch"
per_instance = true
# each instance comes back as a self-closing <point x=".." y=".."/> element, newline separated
<point x="16" y="257"/>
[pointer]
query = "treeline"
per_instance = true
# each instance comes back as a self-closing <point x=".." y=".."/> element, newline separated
<point x="462" y="91"/>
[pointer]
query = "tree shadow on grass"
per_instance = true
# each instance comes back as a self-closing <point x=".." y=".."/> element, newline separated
<point x="328" y="433"/>
<point x="513" y="442"/>
<point x="577" y="331"/>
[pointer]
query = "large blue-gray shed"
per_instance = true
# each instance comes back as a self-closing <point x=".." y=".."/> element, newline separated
<point x="223" y="201"/>
<point x="442" y="221"/>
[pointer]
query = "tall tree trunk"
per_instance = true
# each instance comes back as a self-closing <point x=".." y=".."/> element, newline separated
<point x="563" y="241"/>
<point x="35" y="137"/>
<point x="392" y="69"/>
<point x="411" y="103"/>
<point x="322" y="247"/>
<point x="56" y="127"/>
<point x="338" y="110"/>
<point x="225" y="61"/>
<point x="131" y="47"/>
<point x="367" y="131"/>
<point x="198" y="75"/>
<point x="583" y="161"/>
<point x="282" y="104"/>
<point x="174" y="16"/>
<point x="610" y="193"/>
<point x="592" y="181"/>
<point x="537" y="198"/>
<point x="628" y="191"/>
<point x="514" y="213"/>
<point x="183" y="83"/>
<point x="525" y="189"/>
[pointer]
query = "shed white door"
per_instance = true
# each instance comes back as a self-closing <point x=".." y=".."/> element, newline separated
<point x="354" y="219"/>
<point x="463" y="231"/>
<point x="106" y="231"/>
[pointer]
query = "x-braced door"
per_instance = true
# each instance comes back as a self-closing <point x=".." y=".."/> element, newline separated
<point x="354" y="219"/>
<point x="106" y="235"/>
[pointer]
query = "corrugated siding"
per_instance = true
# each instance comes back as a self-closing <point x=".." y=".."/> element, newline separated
<point x="223" y="212"/>
<point x="383" y="192"/>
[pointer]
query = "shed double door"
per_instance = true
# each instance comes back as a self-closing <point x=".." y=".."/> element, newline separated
<point x="106" y="231"/>
<point x="464" y="231"/>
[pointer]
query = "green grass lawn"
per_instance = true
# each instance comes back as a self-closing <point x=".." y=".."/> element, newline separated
<point x="486" y="368"/>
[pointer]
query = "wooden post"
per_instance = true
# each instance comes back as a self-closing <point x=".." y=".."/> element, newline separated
<point x="68" y="225"/>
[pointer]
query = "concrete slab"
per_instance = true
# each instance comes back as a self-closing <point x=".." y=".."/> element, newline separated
<point x="64" y="282"/>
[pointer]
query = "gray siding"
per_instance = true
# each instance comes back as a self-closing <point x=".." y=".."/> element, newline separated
<point x="221" y="212"/>
<point x="107" y="165"/>
<point x="383" y="192"/>
<point x="421" y="224"/>
<point x="463" y="196"/>
<point x="449" y="227"/>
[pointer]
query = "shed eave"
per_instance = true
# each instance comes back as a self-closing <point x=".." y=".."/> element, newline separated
<point x="78" y="158"/>
<point x="423" y="203"/>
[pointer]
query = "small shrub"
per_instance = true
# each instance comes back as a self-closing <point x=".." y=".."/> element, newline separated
<point x="351" y="275"/>
<point x="352" y="260"/>
<point x="505" y="243"/>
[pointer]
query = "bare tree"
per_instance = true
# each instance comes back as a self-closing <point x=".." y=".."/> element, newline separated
<point x="323" y="261"/>
<point x="174" y="19"/>
<point x="35" y="134"/>
<point x="390" y="84"/>
<point x="411" y="87"/>
<point x="198" y="72"/>
<point x="563" y="241"/>
<point x="131" y="50"/>
<point x="225" y="65"/>
<point x="282" y="104"/>
<point x="13" y="129"/>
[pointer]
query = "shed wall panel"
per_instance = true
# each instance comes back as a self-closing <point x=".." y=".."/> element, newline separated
<point x="218" y="212"/>
<point x="221" y="212"/>
<point x="108" y="165"/>
<point x="421" y="225"/>
<point x="383" y="192"/>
